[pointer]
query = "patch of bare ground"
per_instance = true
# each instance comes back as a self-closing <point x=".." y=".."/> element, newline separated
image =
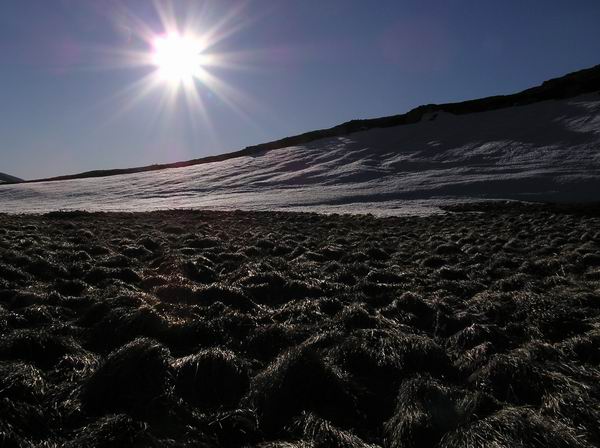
<point x="476" y="328"/>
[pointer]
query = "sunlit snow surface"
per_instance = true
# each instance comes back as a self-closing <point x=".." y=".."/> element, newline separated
<point x="544" y="151"/>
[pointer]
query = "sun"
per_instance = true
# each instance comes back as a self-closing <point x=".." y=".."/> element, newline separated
<point x="178" y="58"/>
<point x="184" y="56"/>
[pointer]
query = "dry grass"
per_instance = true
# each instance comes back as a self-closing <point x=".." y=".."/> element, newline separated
<point x="478" y="328"/>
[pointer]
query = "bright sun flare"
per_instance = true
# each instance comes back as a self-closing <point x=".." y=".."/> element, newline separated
<point x="186" y="60"/>
<point x="178" y="58"/>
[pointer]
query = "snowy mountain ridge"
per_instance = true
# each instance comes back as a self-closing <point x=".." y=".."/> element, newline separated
<point x="569" y="85"/>
<point x="7" y="178"/>
<point x="541" y="151"/>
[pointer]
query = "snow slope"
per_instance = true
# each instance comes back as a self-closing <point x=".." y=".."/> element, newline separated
<point x="547" y="151"/>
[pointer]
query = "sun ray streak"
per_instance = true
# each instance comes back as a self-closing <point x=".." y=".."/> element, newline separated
<point x="198" y="114"/>
<point x="167" y="15"/>
<point x="225" y="27"/>
<point x="130" y="96"/>
<point x="184" y="56"/>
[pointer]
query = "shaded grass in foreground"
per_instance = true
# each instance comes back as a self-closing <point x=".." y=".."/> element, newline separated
<point x="476" y="328"/>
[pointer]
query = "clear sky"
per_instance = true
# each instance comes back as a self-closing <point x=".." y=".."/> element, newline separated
<point x="81" y="87"/>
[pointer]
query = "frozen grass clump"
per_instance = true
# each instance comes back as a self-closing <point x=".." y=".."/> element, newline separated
<point x="21" y="422"/>
<point x="21" y="381"/>
<point x="322" y="433"/>
<point x="514" y="427"/>
<point x="211" y="378"/>
<point x="356" y="316"/>
<point x="476" y="334"/>
<point x="301" y="380"/>
<point x="176" y="293"/>
<point x="123" y="324"/>
<point x="37" y="346"/>
<point x="378" y="361"/>
<point x="200" y="271"/>
<point x="129" y="379"/>
<point x="228" y="295"/>
<point x="585" y="348"/>
<point x="275" y="287"/>
<point x="112" y="431"/>
<point x="425" y="411"/>
<point x="268" y="341"/>
<point x="512" y="377"/>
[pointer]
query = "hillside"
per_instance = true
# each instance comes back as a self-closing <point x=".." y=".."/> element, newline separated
<point x="570" y="85"/>
<point x="6" y="178"/>
<point x="544" y="151"/>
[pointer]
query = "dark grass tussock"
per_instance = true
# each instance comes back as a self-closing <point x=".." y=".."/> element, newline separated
<point x="21" y="381"/>
<point x="129" y="380"/>
<point x="302" y="380"/>
<point x="477" y="328"/>
<point x="114" y="430"/>
<point x="211" y="378"/>
<point x="425" y="411"/>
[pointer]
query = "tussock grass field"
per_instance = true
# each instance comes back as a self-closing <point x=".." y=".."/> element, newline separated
<point x="476" y="328"/>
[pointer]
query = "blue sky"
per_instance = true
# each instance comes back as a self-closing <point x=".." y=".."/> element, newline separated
<point x="292" y="66"/>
